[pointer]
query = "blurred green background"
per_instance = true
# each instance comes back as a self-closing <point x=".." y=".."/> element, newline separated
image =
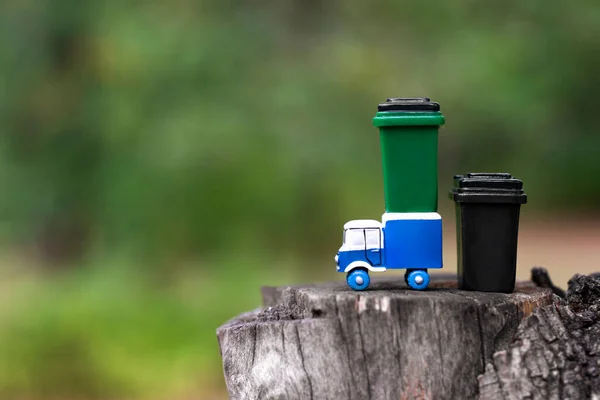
<point x="162" y="160"/>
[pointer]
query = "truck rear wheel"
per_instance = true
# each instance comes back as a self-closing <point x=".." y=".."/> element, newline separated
<point x="358" y="279"/>
<point x="417" y="279"/>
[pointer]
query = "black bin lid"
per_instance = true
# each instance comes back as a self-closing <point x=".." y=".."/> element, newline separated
<point x="483" y="187"/>
<point x="408" y="104"/>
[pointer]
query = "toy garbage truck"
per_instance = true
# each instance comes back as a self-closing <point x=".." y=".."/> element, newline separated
<point x="409" y="235"/>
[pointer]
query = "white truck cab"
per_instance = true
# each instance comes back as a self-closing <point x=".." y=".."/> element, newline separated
<point x="361" y="247"/>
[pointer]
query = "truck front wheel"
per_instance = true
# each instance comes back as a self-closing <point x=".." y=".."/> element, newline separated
<point x="358" y="279"/>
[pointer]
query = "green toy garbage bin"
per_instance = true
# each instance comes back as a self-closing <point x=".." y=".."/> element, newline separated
<point x="409" y="145"/>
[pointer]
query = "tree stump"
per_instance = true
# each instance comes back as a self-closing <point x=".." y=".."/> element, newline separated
<point x="327" y="341"/>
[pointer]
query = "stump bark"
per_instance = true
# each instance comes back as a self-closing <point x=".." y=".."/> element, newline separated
<point x="556" y="352"/>
<point x="329" y="342"/>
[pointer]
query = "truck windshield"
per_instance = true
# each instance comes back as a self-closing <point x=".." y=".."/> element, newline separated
<point x="354" y="238"/>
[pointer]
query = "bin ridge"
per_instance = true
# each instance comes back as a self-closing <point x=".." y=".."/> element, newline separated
<point x="488" y="188"/>
<point x="409" y="104"/>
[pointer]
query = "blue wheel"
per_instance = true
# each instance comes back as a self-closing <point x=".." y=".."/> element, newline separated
<point x="418" y="279"/>
<point x="358" y="279"/>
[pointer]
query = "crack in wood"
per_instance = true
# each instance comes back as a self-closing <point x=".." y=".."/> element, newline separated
<point x="439" y="334"/>
<point x="255" y="331"/>
<point x="345" y="342"/>
<point x="302" y="362"/>
<point x="362" y="345"/>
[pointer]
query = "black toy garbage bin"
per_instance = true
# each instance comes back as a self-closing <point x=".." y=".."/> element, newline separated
<point x="487" y="225"/>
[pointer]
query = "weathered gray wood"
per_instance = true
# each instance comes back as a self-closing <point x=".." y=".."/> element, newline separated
<point x="556" y="352"/>
<point x="329" y="342"/>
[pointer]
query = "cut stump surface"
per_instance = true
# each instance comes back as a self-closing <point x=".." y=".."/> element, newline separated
<point x="327" y="341"/>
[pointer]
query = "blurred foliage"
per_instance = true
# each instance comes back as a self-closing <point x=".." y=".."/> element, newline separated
<point x="169" y="133"/>
<point x="113" y="331"/>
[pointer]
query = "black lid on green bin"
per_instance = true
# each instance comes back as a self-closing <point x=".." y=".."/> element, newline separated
<point x="483" y="187"/>
<point x="408" y="104"/>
